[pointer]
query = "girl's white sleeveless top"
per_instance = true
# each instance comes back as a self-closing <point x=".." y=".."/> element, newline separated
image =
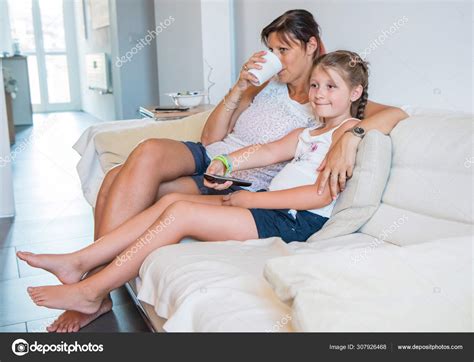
<point x="302" y="170"/>
<point x="271" y="116"/>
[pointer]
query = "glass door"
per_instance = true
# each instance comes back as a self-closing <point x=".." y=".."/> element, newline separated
<point x="45" y="31"/>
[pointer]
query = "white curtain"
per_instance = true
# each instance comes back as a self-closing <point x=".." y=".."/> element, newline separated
<point x="5" y="31"/>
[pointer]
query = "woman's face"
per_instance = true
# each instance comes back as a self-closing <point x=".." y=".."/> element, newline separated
<point x="293" y="57"/>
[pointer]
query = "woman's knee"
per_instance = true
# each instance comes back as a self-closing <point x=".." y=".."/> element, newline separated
<point x="149" y="150"/>
<point x="109" y="178"/>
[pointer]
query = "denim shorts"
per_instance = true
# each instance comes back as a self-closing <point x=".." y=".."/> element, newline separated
<point x="202" y="162"/>
<point x="283" y="224"/>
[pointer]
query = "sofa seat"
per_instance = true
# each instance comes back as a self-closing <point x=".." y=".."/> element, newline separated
<point x="220" y="287"/>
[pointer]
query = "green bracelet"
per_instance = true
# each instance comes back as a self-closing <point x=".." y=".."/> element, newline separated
<point x="226" y="161"/>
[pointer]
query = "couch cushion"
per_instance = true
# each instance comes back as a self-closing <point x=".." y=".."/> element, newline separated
<point x="429" y="192"/>
<point x="114" y="146"/>
<point x="362" y="195"/>
<point x="379" y="287"/>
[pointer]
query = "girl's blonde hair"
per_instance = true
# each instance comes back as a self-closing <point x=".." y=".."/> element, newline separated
<point x="354" y="70"/>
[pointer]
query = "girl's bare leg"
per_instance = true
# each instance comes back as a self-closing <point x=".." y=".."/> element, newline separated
<point x="72" y="266"/>
<point x="73" y="321"/>
<point x="182" y="218"/>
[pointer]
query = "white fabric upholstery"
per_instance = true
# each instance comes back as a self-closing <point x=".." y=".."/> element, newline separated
<point x="361" y="198"/>
<point x="409" y="268"/>
<point x="378" y="288"/>
<point x="108" y="144"/>
<point x="214" y="286"/>
<point x="429" y="185"/>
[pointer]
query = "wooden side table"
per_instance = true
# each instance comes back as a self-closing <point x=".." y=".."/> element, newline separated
<point x="149" y="111"/>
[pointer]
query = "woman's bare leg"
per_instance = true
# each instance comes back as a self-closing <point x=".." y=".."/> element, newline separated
<point x="102" y="197"/>
<point x="182" y="218"/>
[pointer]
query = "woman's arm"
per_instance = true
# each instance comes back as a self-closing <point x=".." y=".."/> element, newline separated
<point x="339" y="162"/>
<point x="298" y="198"/>
<point x="222" y="119"/>
<point x="381" y="117"/>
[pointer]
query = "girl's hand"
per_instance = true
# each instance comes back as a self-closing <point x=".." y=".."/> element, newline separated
<point x="245" y="77"/>
<point x="338" y="165"/>
<point x="217" y="168"/>
<point x="241" y="198"/>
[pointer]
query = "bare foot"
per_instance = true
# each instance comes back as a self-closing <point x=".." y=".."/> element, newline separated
<point x="72" y="321"/>
<point x="77" y="297"/>
<point x="64" y="266"/>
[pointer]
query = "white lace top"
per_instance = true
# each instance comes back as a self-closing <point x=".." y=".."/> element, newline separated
<point x="302" y="170"/>
<point x="271" y="116"/>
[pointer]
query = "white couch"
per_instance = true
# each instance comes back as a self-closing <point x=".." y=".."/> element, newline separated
<point x="396" y="255"/>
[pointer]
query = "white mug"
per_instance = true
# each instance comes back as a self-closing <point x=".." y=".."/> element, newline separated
<point x="271" y="67"/>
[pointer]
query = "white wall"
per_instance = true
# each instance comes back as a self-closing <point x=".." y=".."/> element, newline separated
<point x="136" y="81"/>
<point x="7" y="204"/>
<point x="179" y="47"/>
<point x="5" y="34"/>
<point x="426" y="62"/>
<point x="98" y="41"/>
<point x="217" y="46"/>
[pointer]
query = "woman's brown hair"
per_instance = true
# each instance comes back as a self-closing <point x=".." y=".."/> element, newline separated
<point x="294" y="25"/>
<point x="354" y="70"/>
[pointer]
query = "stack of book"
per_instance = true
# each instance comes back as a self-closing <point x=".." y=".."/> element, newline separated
<point x="170" y="114"/>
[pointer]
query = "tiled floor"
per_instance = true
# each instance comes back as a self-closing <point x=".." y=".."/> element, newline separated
<point x="51" y="216"/>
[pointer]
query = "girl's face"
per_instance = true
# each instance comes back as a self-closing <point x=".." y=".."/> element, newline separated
<point x="330" y="95"/>
<point x="294" y="58"/>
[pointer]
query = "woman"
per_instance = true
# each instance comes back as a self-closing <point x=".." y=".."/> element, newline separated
<point x="246" y="115"/>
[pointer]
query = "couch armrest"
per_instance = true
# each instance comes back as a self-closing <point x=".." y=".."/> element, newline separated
<point x="113" y="147"/>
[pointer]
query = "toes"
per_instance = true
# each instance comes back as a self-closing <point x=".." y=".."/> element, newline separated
<point x="76" y="328"/>
<point x="24" y="254"/>
<point x="53" y="326"/>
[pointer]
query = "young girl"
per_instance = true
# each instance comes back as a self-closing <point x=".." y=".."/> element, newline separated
<point x="338" y="93"/>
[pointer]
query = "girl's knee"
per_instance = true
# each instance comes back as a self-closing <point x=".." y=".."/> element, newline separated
<point x="180" y="205"/>
<point x="169" y="199"/>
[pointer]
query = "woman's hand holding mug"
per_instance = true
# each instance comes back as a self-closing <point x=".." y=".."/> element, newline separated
<point x="246" y="78"/>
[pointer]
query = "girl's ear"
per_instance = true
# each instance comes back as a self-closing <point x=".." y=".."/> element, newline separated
<point x="311" y="46"/>
<point x="356" y="93"/>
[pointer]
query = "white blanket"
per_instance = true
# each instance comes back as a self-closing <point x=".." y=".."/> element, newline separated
<point x="379" y="288"/>
<point x="215" y="287"/>
<point x="89" y="169"/>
